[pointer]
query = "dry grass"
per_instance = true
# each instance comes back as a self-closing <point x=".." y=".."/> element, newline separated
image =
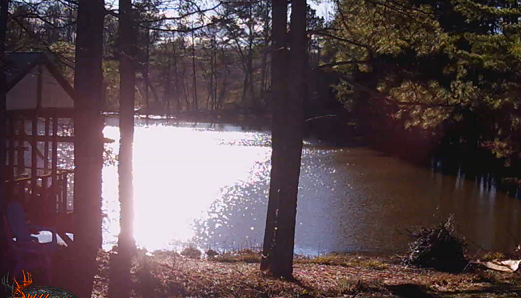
<point x="347" y="261"/>
<point x="491" y="256"/>
<point x="168" y="274"/>
<point x="245" y="255"/>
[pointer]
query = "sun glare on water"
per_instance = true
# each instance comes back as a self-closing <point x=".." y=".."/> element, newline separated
<point x="178" y="173"/>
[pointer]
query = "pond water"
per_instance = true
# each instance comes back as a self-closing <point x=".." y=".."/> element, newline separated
<point x="208" y="185"/>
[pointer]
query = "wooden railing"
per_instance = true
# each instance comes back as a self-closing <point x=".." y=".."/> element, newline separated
<point x="50" y="191"/>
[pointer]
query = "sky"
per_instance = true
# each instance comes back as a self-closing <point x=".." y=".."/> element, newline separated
<point x="324" y="8"/>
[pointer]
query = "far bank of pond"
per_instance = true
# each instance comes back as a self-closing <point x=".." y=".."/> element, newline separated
<point x="207" y="184"/>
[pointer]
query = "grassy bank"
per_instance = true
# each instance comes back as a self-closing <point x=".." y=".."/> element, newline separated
<point x="168" y="274"/>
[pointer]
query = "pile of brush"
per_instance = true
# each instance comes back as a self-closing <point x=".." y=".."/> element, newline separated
<point x="437" y="247"/>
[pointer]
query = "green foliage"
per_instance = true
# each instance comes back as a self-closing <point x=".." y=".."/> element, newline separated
<point x="432" y="64"/>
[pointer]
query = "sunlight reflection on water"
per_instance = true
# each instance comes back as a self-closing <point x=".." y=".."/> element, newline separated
<point x="178" y="173"/>
<point x="209" y="186"/>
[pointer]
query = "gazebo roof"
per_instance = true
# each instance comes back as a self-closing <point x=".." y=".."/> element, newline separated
<point x="22" y="71"/>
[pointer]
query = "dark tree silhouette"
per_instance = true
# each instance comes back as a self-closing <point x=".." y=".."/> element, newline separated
<point x="127" y="74"/>
<point x="88" y="149"/>
<point x="287" y="135"/>
<point x="120" y="264"/>
<point x="4" y="7"/>
<point x="278" y="86"/>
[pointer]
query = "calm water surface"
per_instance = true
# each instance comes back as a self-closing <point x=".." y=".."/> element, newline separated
<point x="208" y="185"/>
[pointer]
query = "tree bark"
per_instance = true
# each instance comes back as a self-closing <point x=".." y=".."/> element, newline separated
<point x="4" y="8"/>
<point x="285" y="238"/>
<point x="88" y="149"/>
<point x="265" y="52"/>
<point x="167" y="94"/>
<point x="176" y="92"/>
<point x="147" y="64"/>
<point x="194" y="74"/>
<point x="249" y="66"/>
<point x="278" y="77"/>
<point x="127" y="72"/>
<point x="286" y="163"/>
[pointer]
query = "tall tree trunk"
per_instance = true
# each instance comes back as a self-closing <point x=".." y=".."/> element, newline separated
<point x="294" y="111"/>
<point x="4" y="8"/>
<point x="127" y="71"/>
<point x="147" y="63"/>
<point x="176" y="92"/>
<point x="264" y="61"/>
<point x="4" y="259"/>
<point x="251" y="83"/>
<point x="244" y="98"/>
<point x="251" y="38"/>
<point x="194" y="74"/>
<point x="213" y="85"/>
<point x="127" y="74"/>
<point x="278" y="78"/>
<point x="224" y="86"/>
<point x="214" y="53"/>
<point x="287" y="150"/>
<point x="88" y="148"/>
<point x="186" y="87"/>
<point x="167" y="94"/>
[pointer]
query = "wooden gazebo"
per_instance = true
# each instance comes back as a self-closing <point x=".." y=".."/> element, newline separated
<point x="40" y="139"/>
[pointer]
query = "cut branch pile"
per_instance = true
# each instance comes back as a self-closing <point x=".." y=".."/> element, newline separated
<point x="438" y="248"/>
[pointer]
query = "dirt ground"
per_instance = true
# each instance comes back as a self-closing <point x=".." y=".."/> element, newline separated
<point x="169" y="274"/>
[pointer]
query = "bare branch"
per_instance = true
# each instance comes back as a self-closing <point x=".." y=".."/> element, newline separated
<point x="329" y="65"/>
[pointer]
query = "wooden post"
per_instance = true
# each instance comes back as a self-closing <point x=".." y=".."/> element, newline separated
<point x="34" y="160"/>
<point x="54" y="159"/>
<point x="64" y="193"/>
<point x="20" y="164"/>
<point x="11" y="150"/>
<point x="46" y="145"/>
<point x="39" y="92"/>
<point x="45" y="182"/>
<point x="34" y="133"/>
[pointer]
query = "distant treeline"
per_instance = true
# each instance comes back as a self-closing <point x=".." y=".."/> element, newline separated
<point x="211" y="59"/>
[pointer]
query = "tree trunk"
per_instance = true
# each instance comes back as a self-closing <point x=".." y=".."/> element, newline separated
<point x="4" y="8"/>
<point x="127" y="71"/>
<point x="290" y="146"/>
<point x="278" y="77"/>
<point x="186" y="87"/>
<point x="224" y="86"/>
<point x="147" y="63"/>
<point x="196" y="101"/>
<point x="283" y="250"/>
<point x="214" y="53"/>
<point x="176" y="92"/>
<point x="88" y="148"/>
<point x="251" y="87"/>
<point x="126" y="123"/>
<point x="167" y="94"/>
<point x="265" y="53"/>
